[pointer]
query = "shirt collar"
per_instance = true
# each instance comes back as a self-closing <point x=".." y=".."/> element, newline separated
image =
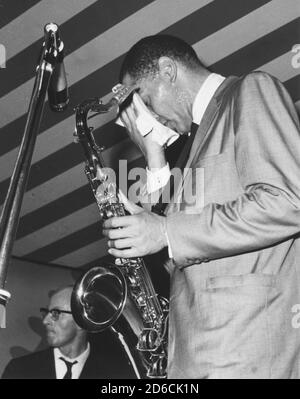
<point x="204" y="95"/>
<point x="80" y="359"/>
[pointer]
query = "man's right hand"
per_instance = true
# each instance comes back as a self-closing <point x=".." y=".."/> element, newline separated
<point x="151" y="149"/>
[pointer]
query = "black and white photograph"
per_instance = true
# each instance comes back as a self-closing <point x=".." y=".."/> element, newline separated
<point x="149" y="192"/>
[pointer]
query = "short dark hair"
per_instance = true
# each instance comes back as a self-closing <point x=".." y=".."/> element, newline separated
<point x="142" y="59"/>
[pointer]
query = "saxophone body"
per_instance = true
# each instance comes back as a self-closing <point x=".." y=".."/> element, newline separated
<point x="119" y="295"/>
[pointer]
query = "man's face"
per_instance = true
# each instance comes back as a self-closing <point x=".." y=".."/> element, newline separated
<point x="165" y="100"/>
<point x="63" y="331"/>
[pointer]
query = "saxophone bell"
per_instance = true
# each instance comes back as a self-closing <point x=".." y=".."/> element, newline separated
<point x="98" y="298"/>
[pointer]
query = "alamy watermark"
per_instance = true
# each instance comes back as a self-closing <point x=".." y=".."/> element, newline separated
<point x="188" y="186"/>
<point x="2" y="56"/>
<point x="296" y="318"/>
<point x="296" y="57"/>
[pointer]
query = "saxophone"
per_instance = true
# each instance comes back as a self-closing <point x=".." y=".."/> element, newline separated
<point x="119" y="295"/>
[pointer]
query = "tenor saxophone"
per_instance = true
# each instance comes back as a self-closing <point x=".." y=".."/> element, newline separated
<point x="118" y="295"/>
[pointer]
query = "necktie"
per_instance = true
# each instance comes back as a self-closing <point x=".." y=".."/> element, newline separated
<point x="194" y="128"/>
<point x="69" y="365"/>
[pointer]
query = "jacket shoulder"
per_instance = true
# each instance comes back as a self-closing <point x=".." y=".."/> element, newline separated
<point x="259" y="80"/>
<point x="27" y="366"/>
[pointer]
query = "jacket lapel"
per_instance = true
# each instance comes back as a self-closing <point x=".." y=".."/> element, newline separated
<point x="202" y="132"/>
<point x="209" y="116"/>
<point x="45" y="365"/>
<point x="52" y="371"/>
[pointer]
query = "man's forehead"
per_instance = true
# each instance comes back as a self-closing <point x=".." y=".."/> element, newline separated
<point x="141" y="83"/>
<point x="61" y="298"/>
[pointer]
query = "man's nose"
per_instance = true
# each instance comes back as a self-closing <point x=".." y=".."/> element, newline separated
<point x="47" y="319"/>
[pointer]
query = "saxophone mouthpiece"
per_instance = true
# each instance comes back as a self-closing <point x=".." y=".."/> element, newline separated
<point x="121" y="92"/>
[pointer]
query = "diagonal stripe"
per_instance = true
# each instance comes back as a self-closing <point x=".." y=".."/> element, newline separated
<point x="55" y="210"/>
<point x="12" y="9"/>
<point x="212" y="18"/>
<point x="281" y="67"/>
<point x="293" y="87"/>
<point x="95" y="19"/>
<point x="228" y="40"/>
<point x="67" y="244"/>
<point x="55" y="231"/>
<point x="94" y="262"/>
<point x="95" y="52"/>
<point x="83" y="255"/>
<point x="255" y="54"/>
<point x="27" y="29"/>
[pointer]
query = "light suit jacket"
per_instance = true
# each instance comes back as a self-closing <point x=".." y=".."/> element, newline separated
<point x="235" y="272"/>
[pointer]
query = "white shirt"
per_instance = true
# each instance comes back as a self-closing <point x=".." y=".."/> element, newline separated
<point x="60" y="365"/>
<point x="158" y="178"/>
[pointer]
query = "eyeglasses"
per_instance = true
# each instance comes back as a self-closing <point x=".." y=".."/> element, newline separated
<point x="55" y="313"/>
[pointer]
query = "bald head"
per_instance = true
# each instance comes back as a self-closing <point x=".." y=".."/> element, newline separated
<point x="65" y="291"/>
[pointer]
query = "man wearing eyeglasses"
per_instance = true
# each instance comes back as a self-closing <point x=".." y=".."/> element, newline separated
<point x="69" y="355"/>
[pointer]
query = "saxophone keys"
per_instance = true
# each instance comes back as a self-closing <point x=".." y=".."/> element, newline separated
<point x="148" y="340"/>
<point x="158" y="367"/>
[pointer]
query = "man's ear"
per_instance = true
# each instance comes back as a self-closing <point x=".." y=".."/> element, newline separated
<point x="79" y="328"/>
<point x="167" y="69"/>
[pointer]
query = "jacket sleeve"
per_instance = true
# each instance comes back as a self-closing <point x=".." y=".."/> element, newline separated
<point x="267" y="157"/>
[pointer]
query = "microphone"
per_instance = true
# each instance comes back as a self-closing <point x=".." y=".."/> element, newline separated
<point x="58" y="94"/>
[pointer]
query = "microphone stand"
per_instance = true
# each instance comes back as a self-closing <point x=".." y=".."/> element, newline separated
<point x="11" y="209"/>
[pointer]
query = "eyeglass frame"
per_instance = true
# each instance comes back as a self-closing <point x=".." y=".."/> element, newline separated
<point x="54" y="316"/>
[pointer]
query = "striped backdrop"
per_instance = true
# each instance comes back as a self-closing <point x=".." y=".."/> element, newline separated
<point x="59" y="222"/>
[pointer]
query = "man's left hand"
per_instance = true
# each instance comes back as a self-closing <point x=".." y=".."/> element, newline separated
<point x="135" y="235"/>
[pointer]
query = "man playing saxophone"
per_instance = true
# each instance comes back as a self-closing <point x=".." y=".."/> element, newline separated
<point x="233" y="259"/>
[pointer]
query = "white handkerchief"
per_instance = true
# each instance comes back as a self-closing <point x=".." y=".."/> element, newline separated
<point x="147" y="123"/>
<point x="161" y="134"/>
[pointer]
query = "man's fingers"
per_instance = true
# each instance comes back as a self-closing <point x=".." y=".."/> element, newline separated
<point x="114" y="234"/>
<point x="125" y="253"/>
<point x="129" y="114"/>
<point x="117" y="221"/>
<point x="122" y="243"/>
<point x="139" y="104"/>
<point x="130" y="206"/>
<point x="125" y="119"/>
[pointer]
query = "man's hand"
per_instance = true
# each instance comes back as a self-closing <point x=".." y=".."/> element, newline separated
<point x="152" y="151"/>
<point x="135" y="235"/>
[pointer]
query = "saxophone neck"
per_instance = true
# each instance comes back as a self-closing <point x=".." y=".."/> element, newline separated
<point x="121" y="93"/>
